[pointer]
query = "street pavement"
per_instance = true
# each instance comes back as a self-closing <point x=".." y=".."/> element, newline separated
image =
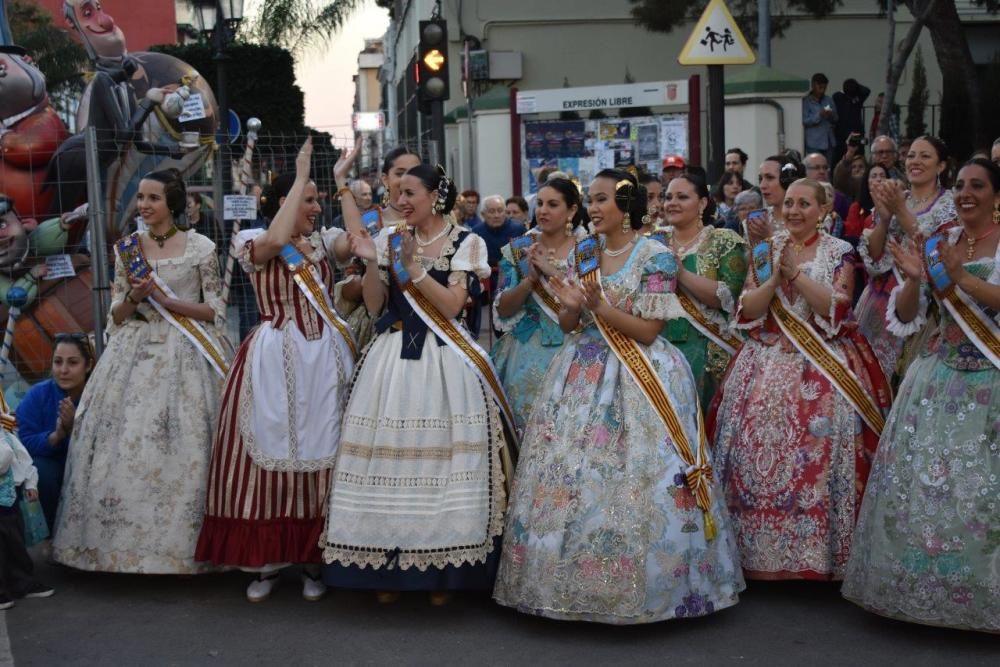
<point x="103" y="619"/>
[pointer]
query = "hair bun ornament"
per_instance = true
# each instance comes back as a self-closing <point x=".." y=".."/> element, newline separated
<point x="444" y="185"/>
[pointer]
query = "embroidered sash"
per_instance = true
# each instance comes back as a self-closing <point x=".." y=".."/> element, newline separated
<point x="453" y="334"/>
<point x="545" y="299"/>
<point x="130" y="251"/>
<point x="698" y="473"/>
<point x="312" y="287"/>
<point x="980" y="328"/>
<point x="808" y="342"/>
<point x="372" y="220"/>
<point x="715" y="333"/>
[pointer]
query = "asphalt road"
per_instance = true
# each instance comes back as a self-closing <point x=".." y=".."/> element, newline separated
<point x="101" y="619"/>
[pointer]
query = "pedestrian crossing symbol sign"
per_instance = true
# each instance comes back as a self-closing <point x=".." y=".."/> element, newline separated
<point x="716" y="40"/>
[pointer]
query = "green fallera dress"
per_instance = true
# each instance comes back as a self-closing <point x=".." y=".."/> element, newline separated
<point x="721" y="255"/>
<point x="927" y="545"/>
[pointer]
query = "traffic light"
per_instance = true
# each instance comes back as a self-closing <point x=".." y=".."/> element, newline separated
<point x="432" y="61"/>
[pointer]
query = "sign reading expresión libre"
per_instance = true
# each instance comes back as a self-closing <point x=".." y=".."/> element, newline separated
<point x="649" y="94"/>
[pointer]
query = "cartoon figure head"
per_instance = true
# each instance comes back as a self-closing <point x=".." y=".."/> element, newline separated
<point x="97" y="30"/>
<point x="22" y="85"/>
<point x="13" y="235"/>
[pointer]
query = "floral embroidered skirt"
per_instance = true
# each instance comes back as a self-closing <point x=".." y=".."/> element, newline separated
<point x="601" y="525"/>
<point x="927" y="546"/>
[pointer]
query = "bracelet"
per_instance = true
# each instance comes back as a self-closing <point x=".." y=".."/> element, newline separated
<point x="422" y="276"/>
<point x="797" y="272"/>
<point x="342" y="190"/>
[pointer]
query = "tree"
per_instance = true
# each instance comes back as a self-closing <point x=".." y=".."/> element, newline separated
<point x="664" y="16"/>
<point x="917" y="106"/>
<point x="962" y="120"/>
<point x="260" y="82"/>
<point x="298" y="24"/>
<point x="59" y="58"/>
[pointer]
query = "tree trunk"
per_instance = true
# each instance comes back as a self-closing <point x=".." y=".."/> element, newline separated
<point x="961" y="111"/>
<point x="898" y="63"/>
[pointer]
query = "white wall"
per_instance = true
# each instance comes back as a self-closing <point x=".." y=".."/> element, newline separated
<point x="754" y="128"/>
<point x="493" y="154"/>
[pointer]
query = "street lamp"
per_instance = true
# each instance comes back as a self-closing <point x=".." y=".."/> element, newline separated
<point x="218" y="21"/>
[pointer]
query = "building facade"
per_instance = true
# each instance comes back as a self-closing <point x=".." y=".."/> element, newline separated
<point x="595" y="43"/>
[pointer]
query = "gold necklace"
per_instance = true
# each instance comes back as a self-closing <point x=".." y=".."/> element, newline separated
<point x="162" y="238"/>
<point x="971" y="241"/>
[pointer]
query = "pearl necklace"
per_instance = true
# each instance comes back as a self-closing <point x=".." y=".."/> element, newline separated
<point x="423" y="244"/>
<point x="621" y="251"/>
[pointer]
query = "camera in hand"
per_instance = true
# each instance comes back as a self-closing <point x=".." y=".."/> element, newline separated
<point x="855" y="139"/>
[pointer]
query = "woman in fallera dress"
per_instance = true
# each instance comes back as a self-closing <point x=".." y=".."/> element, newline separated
<point x="710" y="276"/>
<point x="899" y="216"/>
<point x="525" y="308"/>
<point x="283" y="400"/>
<point x="134" y="491"/>
<point x="926" y="548"/>
<point x="347" y="293"/>
<point x="613" y="517"/>
<point x="418" y="497"/>
<point x="792" y="450"/>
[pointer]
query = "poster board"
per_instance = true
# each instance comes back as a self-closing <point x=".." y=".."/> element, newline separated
<point x="581" y="148"/>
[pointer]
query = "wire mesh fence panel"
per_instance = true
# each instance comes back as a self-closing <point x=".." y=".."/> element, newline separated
<point x="47" y="249"/>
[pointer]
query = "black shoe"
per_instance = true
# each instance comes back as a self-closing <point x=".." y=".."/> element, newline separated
<point x="5" y="602"/>
<point x="40" y="590"/>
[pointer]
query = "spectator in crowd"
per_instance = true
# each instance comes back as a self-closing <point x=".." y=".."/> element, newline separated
<point x="746" y="201"/>
<point x="877" y="119"/>
<point x="469" y="215"/>
<point x="654" y="195"/>
<point x="849" y="171"/>
<point x="904" y="150"/>
<point x="517" y="209"/>
<point x="730" y="185"/>
<point x="850" y="103"/>
<point x="18" y="483"/>
<point x="995" y="152"/>
<point x="736" y="160"/>
<point x="362" y="192"/>
<point x="819" y="117"/>
<point x="46" y="414"/>
<point x="496" y="228"/>
<point x="860" y="213"/>
<point x="886" y="155"/>
<point x="202" y="221"/>
<point x="673" y="166"/>
<point x="818" y="169"/>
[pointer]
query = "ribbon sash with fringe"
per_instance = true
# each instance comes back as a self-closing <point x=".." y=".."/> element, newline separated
<point x="808" y="342"/>
<point x="138" y="268"/>
<point x="980" y="328"/>
<point x="304" y="275"/>
<point x="698" y="473"/>
<point x="456" y="337"/>
<point x="545" y="299"/>
<point x="731" y="344"/>
<point x="693" y="314"/>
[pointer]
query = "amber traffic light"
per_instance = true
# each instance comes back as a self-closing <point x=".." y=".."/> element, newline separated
<point x="432" y="61"/>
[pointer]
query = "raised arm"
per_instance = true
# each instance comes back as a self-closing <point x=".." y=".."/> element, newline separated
<point x="279" y="233"/>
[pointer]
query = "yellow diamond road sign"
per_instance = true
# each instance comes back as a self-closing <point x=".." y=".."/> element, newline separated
<point x="716" y="40"/>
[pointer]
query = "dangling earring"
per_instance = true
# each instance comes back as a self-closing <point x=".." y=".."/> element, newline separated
<point x="569" y="229"/>
<point x="626" y="223"/>
<point x="996" y="215"/>
<point x="386" y="201"/>
<point x="826" y="223"/>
